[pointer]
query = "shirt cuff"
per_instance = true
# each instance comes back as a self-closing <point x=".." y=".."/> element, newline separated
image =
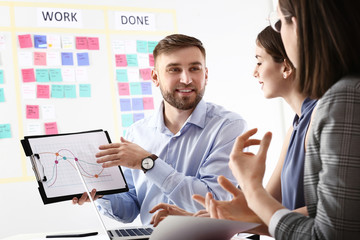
<point x="159" y="173"/>
<point x="275" y="218"/>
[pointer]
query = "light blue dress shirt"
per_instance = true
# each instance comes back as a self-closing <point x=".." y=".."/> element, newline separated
<point x="189" y="162"/>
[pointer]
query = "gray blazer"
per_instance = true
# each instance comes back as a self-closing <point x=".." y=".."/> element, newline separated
<point x="332" y="169"/>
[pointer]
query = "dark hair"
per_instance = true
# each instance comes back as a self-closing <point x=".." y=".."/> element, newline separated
<point x="175" y="42"/>
<point x="271" y="41"/>
<point x="328" y="41"/>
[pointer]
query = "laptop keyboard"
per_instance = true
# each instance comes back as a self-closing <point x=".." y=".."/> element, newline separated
<point x="133" y="232"/>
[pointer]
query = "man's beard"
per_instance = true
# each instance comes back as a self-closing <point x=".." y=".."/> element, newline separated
<point x="182" y="103"/>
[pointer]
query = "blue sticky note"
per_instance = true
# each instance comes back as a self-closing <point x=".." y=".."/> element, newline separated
<point x="121" y="75"/>
<point x="70" y="91"/>
<point x="55" y="75"/>
<point x="151" y="46"/>
<point x="141" y="46"/>
<point x="2" y="95"/>
<point x="132" y="60"/>
<point x="42" y="75"/>
<point x="83" y="59"/>
<point x="5" y="131"/>
<point x="84" y="90"/>
<point x="135" y="88"/>
<point x="125" y="104"/>
<point x="126" y="120"/>
<point x="57" y="91"/>
<point x="40" y="41"/>
<point x="146" y="88"/>
<point x="67" y="59"/>
<point x="138" y="116"/>
<point x="137" y="104"/>
<point x="1" y="76"/>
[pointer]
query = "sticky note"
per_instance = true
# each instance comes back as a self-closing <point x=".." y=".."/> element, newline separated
<point x="137" y="104"/>
<point x="151" y="46"/>
<point x="93" y="43"/>
<point x="81" y="75"/>
<point x="135" y="88"/>
<point x="124" y="89"/>
<point x="1" y="76"/>
<point x="53" y="59"/>
<point x="42" y="75"/>
<point x="131" y="60"/>
<point x="40" y="58"/>
<point x="145" y="73"/>
<point x="28" y="75"/>
<point x="141" y="46"/>
<point x="34" y="129"/>
<point x="151" y="60"/>
<point x="51" y="128"/>
<point x="120" y="60"/>
<point x="83" y="59"/>
<point x="138" y="116"/>
<point x="32" y="111"/>
<point x="84" y="90"/>
<point x="5" y="131"/>
<point x="67" y="58"/>
<point x="29" y="91"/>
<point x="48" y="111"/>
<point x="40" y="41"/>
<point x="143" y="60"/>
<point x="126" y="120"/>
<point x="55" y="75"/>
<point x="146" y="88"/>
<point x="2" y="95"/>
<point x="68" y="74"/>
<point x="26" y="59"/>
<point x="70" y="91"/>
<point x="57" y="91"/>
<point x="130" y="46"/>
<point x="25" y="41"/>
<point x="81" y="43"/>
<point x="121" y="75"/>
<point x="43" y="91"/>
<point x="53" y="41"/>
<point x="118" y="46"/>
<point x="67" y="42"/>
<point x="133" y="74"/>
<point x="148" y="103"/>
<point x="125" y="104"/>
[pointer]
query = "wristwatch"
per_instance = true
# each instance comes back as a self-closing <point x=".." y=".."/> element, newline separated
<point x="148" y="162"/>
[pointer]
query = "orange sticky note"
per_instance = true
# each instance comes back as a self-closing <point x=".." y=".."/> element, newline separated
<point x="43" y="91"/>
<point x="124" y="89"/>
<point x="40" y="58"/>
<point x="51" y="128"/>
<point x="93" y="43"/>
<point x="120" y="60"/>
<point x="145" y="73"/>
<point x="32" y="111"/>
<point x="81" y="43"/>
<point x="25" y="41"/>
<point x="28" y="75"/>
<point x="148" y="103"/>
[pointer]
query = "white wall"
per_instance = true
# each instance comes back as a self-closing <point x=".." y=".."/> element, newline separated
<point x="228" y="29"/>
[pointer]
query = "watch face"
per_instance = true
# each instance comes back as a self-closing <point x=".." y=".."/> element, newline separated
<point x="147" y="163"/>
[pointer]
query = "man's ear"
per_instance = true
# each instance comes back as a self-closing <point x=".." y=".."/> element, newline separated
<point x="206" y="76"/>
<point x="288" y="69"/>
<point x="155" y="77"/>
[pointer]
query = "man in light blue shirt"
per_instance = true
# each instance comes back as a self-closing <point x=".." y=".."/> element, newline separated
<point x="182" y="148"/>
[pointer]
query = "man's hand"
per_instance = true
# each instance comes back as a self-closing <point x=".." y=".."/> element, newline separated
<point x="85" y="198"/>
<point x="164" y="210"/>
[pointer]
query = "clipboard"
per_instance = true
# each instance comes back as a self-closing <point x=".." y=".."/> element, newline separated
<point x="53" y="159"/>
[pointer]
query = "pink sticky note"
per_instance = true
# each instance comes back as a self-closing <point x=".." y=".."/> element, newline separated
<point x="145" y="73"/>
<point x="25" y="41"/>
<point x="81" y="43"/>
<point x="32" y="111"/>
<point x="148" y="103"/>
<point x="93" y="43"/>
<point x="28" y="75"/>
<point x="120" y="60"/>
<point x="51" y="128"/>
<point x="124" y="89"/>
<point x="151" y="60"/>
<point x="40" y="58"/>
<point x="43" y="91"/>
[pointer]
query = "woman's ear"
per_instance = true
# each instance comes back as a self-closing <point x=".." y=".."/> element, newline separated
<point x="288" y="69"/>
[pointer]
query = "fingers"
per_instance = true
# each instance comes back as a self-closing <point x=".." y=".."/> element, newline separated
<point x="201" y="213"/>
<point x="158" y="217"/>
<point x="84" y="198"/>
<point x="108" y="146"/>
<point x="241" y="140"/>
<point x="200" y="199"/>
<point x="123" y="140"/>
<point x="159" y="206"/>
<point x="208" y="198"/>
<point x="228" y="186"/>
<point x="264" y="145"/>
